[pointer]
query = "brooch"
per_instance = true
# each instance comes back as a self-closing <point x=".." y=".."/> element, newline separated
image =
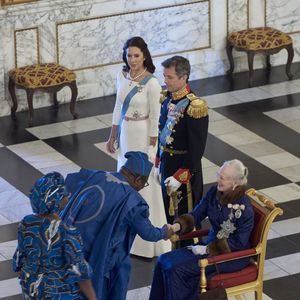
<point x="238" y="210"/>
<point x="140" y="88"/>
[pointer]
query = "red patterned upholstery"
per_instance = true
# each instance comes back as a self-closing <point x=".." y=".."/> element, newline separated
<point x="266" y="40"/>
<point x="49" y="77"/>
<point x="259" y="38"/>
<point x="42" y="75"/>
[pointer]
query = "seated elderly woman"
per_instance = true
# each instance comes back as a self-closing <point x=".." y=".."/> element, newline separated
<point x="176" y="274"/>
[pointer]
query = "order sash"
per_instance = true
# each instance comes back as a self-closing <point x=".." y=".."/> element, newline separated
<point x="127" y="100"/>
<point x="171" y="121"/>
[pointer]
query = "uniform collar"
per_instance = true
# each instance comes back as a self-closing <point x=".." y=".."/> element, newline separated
<point x="181" y="93"/>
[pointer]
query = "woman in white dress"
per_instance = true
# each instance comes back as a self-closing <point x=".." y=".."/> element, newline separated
<point x="135" y="128"/>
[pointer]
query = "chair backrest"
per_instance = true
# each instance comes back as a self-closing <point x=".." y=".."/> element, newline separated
<point x="264" y="214"/>
<point x="259" y="221"/>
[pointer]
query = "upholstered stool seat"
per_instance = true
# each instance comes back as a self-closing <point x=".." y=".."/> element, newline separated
<point x="48" y="77"/>
<point x="264" y="40"/>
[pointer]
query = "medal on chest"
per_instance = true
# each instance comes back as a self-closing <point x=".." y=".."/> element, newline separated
<point x="228" y="227"/>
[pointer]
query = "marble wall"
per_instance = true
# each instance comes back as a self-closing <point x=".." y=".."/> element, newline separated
<point x="87" y="36"/>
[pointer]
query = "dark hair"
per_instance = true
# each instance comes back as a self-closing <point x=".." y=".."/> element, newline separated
<point x="181" y="64"/>
<point x="138" y="42"/>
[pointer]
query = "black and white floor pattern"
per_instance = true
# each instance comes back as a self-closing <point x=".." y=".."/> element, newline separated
<point x="258" y="125"/>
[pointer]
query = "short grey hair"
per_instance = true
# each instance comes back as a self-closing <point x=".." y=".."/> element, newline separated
<point x="240" y="170"/>
<point x="182" y="65"/>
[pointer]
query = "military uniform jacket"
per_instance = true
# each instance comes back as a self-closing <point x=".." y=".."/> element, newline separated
<point x="183" y="145"/>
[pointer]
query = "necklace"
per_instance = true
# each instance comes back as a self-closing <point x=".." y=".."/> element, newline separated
<point x="139" y="75"/>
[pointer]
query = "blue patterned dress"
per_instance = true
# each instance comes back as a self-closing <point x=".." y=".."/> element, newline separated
<point x="50" y="259"/>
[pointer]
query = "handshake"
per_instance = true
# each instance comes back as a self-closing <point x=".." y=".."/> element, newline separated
<point x="171" y="229"/>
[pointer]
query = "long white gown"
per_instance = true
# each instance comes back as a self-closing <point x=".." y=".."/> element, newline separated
<point x="135" y="136"/>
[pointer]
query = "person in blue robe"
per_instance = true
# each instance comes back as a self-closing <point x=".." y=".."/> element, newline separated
<point x="49" y="254"/>
<point x="108" y="211"/>
<point x="230" y="213"/>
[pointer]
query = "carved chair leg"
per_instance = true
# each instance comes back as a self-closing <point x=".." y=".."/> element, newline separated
<point x="290" y="51"/>
<point x="250" y="55"/>
<point x="203" y="280"/>
<point x="74" y="91"/>
<point x="55" y="102"/>
<point x="29" y="93"/>
<point x="12" y="91"/>
<point x="258" y="295"/>
<point x="229" y="48"/>
<point x="268" y="63"/>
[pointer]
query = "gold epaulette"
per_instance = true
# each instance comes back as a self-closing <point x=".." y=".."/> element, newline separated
<point x="163" y="95"/>
<point x="198" y="107"/>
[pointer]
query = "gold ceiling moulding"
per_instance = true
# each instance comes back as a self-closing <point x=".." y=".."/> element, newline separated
<point x="128" y="13"/>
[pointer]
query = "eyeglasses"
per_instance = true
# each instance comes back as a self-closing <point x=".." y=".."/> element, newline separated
<point x="221" y="177"/>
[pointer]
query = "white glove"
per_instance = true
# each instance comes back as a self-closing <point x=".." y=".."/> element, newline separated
<point x="198" y="249"/>
<point x="156" y="175"/>
<point x="172" y="184"/>
<point x="176" y="227"/>
<point x="152" y="153"/>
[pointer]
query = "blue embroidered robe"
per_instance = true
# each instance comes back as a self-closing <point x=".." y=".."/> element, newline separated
<point x="58" y="268"/>
<point x="108" y="213"/>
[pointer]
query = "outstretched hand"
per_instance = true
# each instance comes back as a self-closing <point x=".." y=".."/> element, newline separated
<point x="171" y="229"/>
<point x="176" y="227"/>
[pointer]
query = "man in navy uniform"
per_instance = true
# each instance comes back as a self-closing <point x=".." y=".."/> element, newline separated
<point x="183" y="127"/>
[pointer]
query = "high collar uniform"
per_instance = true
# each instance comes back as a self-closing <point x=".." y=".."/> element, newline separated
<point x="183" y="127"/>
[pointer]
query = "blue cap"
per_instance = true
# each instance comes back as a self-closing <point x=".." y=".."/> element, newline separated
<point x="138" y="163"/>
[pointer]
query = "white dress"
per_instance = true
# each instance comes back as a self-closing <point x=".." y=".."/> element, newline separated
<point x="135" y="136"/>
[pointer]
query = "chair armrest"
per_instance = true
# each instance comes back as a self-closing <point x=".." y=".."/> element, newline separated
<point x="231" y="256"/>
<point x="194" y="234"/>
<point x="204" y="262"/>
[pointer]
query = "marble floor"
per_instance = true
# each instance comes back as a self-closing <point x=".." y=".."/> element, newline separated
<point x="258" y="125"/>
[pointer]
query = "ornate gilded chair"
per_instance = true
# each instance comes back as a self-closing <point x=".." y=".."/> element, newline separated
<point x="249" y="279"/>
<point x="48" y="77"/>
<point x="264" y="40"/>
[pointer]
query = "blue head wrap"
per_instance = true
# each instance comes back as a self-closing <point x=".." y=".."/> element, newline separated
<point x="47" y="193"/>
<point x="138" y="163"/>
